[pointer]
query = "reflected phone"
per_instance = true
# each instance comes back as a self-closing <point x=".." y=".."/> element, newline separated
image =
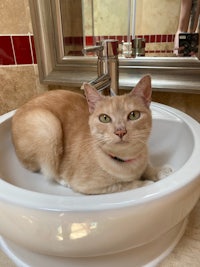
<point x="188" y="42"/>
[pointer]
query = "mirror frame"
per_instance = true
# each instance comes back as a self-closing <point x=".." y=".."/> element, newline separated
<point x="168" y="73"/>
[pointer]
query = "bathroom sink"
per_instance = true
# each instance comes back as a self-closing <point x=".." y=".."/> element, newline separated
<point x="171" y="143"/>
<point x="49" y="221"/>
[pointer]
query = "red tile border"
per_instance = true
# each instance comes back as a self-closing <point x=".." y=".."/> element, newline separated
<point x="159" y="51"/>
<point x="89" y="40"/>
<point x="125" y="38"/>
<point x="152" y="38"/>
<point x="119" y="38"/>
<point x="170" y="38"/>
<point x="6" y="51"/>
<point x="17" y="49"/>
<point x="158" y="38"/>
<point x="73" y="40"/>
<point x="20" y="49"/>
<point x="147" y="38"/>
<point x="164" y="38"/>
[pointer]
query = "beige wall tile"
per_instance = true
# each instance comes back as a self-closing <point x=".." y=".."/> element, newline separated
<point x="157" y="17"/>
<point x="111" y="17"/>
<point x="18" y="85"/>
<point x="71" y="11"/>
<point x="15" y="17"/>
<point x="152" y="17"/>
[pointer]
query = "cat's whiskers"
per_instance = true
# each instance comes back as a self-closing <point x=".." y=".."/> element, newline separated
<point x="141" y="137"/>
<point x="144" y="134"/>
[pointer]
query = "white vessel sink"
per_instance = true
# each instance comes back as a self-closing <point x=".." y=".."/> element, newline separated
<point x="45" y="222"/>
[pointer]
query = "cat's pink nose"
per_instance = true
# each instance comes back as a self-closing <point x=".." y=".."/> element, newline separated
<point x="121" y="132"/>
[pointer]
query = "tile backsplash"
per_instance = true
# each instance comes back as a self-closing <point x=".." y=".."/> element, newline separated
<point x="19" y="82"/>
<point x="155" y="43"/>
<point x="17" y="49"/>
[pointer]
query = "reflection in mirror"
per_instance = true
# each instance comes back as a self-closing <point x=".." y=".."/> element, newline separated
<point x="72" y="28"/>
<point x="106" y="20"/>
<point x="186" y="41"/>
<point x="157" y="22"/>
<point x="153" y="23"/>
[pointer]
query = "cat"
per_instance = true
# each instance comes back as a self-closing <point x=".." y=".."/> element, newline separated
<point x="94" y="144"/>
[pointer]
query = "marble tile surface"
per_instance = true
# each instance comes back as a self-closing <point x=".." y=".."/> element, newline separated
<point x="15" y="17"/>
<point x="18" y="85"/>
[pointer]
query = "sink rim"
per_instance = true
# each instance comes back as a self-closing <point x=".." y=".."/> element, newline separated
<point x="42" y="201"/>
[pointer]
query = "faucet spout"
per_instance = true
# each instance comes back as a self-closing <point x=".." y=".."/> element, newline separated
<point x="107" y="65"/>
<point x="102" y="82"/>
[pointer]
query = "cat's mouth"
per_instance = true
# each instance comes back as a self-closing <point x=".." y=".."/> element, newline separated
<point x="121" y="141"/>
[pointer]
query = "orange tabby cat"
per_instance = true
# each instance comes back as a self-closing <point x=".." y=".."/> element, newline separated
<point x="93" y="145"/>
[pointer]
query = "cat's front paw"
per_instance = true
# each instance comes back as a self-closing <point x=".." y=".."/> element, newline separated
<point x="150" y="174"/>
<point x="156" y="174"/>
<point x="164" y="172"/>
<point x="147" y="182"/>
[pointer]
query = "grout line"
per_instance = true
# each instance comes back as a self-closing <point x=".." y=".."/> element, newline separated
<point x="31" y="48"/>
<point x="13" y="49"/>
<point x="16" y="34"/>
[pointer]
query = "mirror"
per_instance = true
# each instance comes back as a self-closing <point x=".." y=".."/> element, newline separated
<point x="62" y="29"/>
<point x="123" y="20"/>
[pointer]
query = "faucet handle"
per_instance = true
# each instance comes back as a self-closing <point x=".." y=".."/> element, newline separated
<point x="107" y="48"/>
<point x="95" y="48"/>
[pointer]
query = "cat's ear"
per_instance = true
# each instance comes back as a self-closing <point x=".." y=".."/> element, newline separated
<point x="92" y="96"/>
<point x="143" y="89"/>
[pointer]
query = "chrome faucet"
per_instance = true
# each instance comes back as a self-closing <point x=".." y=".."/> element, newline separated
<point x="107" y="65"/>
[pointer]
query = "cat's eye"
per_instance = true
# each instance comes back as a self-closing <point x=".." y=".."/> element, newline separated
<point x="134" y="115"/>
<point x="104" y="118"/>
